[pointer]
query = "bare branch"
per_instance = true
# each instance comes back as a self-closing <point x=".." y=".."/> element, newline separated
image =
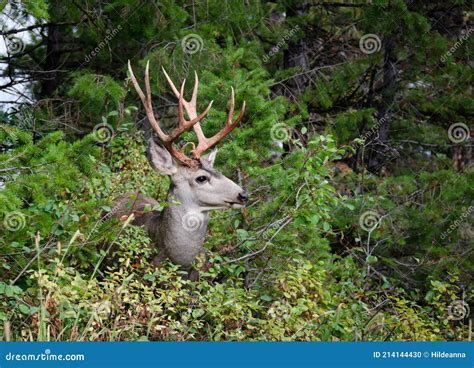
<point x="35" y="26"/>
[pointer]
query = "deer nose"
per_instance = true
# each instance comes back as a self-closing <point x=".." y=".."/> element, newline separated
<point x="243" y="197"/>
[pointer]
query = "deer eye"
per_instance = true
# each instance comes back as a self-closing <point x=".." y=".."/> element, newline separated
<point x="202" y="179"/>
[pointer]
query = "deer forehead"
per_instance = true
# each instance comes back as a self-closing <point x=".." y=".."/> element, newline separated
<point x="200" y="171"/>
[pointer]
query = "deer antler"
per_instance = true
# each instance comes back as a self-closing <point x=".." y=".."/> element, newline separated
<point x="190" y="106"/>
<point x="183" y="124"/>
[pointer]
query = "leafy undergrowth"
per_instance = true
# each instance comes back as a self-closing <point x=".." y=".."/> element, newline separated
<point x="134" y="301"/>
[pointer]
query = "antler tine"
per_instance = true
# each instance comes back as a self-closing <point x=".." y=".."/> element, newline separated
<point x="230" y="116"/>
<point x="193" y="101"/>
<point x="147" y="83"/>
<point x="170" y="82"/>
<point x="181" y="119"/>
<point x="195" y="90"/>
<point x="206" y="143"/>
<point x="135" y="83"/>
<point x="185" y="125"/>
<point x="191" y="106"/>
<point x="146" y="100"/>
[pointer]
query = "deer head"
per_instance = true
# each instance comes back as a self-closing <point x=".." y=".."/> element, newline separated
<point x="194" y="181"/>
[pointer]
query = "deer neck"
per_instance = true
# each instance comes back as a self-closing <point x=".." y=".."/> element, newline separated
<point x="181" y="228"/>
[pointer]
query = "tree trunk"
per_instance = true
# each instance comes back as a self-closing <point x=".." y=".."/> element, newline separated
<point x="378" y="149"/>
<point x="52" y="62"/>
<point x="296" y="54"/>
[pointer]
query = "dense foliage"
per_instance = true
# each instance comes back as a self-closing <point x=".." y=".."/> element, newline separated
<point x="356" y="149"/>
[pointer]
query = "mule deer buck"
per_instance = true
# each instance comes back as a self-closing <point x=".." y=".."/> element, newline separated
<point x="196" y="187"/>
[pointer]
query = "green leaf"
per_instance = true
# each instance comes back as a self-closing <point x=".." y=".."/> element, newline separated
<point x="11" y="290"/>
<point x="198" y="313"/>
<point x="429" y="296"/>
<point x="326" y="226"/>
<point x="157" y="207"/>
<point x="371" y="259"/>
<point x="242" y="233"/>
<point x="24" y="309"/>
<point x="8" y="291"/>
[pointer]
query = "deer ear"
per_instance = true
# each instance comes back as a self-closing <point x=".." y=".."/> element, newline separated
<point x="210" y="157"/>
<point x="160" y="159"/>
